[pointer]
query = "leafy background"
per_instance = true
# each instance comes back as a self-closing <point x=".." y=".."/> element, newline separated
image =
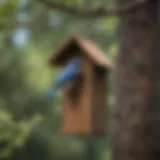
<point x="30" y="127"/>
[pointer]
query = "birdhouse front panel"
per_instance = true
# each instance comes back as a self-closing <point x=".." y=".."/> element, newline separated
<point x="78" y="103"/>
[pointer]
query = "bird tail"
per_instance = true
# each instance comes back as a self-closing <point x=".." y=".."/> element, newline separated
<point x="52" y="94"/>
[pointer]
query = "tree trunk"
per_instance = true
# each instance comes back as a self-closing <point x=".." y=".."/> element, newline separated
<point x="135" y="84"/>
<point x="156" y="113"/>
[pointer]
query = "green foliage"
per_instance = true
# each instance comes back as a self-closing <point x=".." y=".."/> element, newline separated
<point x="13" y="134"/>
<point x="30" y="126"/>
<point x="7" y="8"/>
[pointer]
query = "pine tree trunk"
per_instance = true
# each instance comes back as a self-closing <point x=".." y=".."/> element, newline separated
<point x="135" y="84"/>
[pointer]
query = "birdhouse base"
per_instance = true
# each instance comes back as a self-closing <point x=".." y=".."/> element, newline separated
<point x="83" y="134"/>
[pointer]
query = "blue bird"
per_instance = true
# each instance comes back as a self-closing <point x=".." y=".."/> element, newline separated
<point x="71" y="71"/>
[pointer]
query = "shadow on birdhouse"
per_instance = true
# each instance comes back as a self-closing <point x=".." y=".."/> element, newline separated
<point x="85" y="97"/>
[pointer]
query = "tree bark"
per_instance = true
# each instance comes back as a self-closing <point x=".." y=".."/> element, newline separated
<point x="135" y="84"/>
<point x="156" y="111"/>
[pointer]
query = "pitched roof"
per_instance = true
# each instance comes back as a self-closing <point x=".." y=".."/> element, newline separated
<point x="87" y="46"/>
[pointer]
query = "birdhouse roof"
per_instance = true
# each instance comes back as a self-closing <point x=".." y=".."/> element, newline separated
<point x="75" y="44"/>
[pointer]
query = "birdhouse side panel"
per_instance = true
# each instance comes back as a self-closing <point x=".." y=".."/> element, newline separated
<point x="99" y="101"/>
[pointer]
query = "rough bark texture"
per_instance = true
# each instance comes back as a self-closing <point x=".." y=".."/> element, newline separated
<point x="156" y="115"/>
<point x="135" y="85"/>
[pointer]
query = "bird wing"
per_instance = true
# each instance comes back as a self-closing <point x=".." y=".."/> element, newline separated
<point x="70" y="72"/>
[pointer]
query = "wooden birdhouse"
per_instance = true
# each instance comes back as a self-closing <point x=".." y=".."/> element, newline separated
<point x="85" y="97"/>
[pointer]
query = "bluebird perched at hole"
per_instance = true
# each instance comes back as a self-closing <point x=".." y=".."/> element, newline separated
<point x="70" y="72"/>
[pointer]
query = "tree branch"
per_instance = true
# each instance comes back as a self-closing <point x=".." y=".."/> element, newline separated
<point x="97" y="12"/>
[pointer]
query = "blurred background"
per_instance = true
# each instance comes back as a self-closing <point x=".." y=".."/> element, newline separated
<point x="30" y="127"/>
